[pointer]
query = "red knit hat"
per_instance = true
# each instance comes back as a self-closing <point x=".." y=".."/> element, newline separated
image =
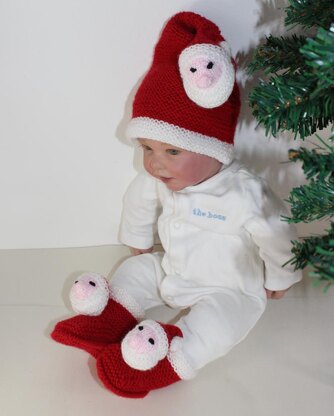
<point x="189" y="98"/>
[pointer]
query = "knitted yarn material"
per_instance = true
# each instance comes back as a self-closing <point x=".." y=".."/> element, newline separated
<point x="148" y="343"/>
<point x="162" y="107"/>
<point x="125" y="381"/>
<point x="93" y="333"/>
<point x="149" y="357"/>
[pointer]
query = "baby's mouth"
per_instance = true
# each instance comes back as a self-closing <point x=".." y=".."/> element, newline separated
<point x="165" y="180"/>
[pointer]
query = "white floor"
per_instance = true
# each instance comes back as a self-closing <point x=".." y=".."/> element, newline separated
<point x="285" y="366"/>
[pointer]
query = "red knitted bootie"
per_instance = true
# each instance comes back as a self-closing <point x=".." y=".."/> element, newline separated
<point x="107" y="313"/>
<point x="148" y="358"/>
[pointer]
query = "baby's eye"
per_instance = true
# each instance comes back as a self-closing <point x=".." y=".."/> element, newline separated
<point x="173" y="152"/>
<point x="145" y="147"/>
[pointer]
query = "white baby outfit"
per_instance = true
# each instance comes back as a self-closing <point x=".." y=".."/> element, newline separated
<point x="224" y="241"/>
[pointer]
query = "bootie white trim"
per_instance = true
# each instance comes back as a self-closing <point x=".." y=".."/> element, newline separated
<point x="122" y="297"/>
<point x="178" y="360"/>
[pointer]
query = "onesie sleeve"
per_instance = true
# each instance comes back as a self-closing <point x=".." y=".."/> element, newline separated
<point x="272" y="235"/>
<point x="141" y="208"/>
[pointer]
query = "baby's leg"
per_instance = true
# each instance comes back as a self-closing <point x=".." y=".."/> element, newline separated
<point x="153" y="355"/>
<point x="140" y="277"/>
<point x="216" y="324"/>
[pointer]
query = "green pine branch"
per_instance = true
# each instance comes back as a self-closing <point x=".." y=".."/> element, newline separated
<point x="311" y="202"/>
<point x="319" y="55"/>
<point x="278" y="54"/>
<point x="284" y="103"/>
<point x="309" y="13"/>
<point x="317" y="163"/>
<point x="299" y="97"/>
<point x="317" y="252"/>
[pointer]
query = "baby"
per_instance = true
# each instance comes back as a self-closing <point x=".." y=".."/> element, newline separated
<point x="224" y="242"/>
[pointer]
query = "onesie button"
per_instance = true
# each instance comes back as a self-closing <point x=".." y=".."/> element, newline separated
<point x="177" y="225"/>
<point x="170" y="298"/>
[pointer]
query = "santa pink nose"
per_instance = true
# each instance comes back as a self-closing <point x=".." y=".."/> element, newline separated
<point x="205" y="81"/>
<point x="138" y="343"/>
<point x="82" y="290"/>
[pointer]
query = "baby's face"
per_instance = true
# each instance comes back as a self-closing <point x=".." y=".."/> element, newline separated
<point x="176" y="167"/>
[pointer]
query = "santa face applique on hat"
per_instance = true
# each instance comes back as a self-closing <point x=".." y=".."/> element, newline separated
<point x="208" y="74"/>
<point x="189" y="98"/>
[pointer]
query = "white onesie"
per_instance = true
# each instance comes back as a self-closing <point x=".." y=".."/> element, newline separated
<point x="223" y="240"/>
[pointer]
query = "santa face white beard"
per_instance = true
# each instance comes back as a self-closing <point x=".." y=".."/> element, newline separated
<point x="207" y="73"/>
<point x="89" y="294"/>
<point x="145" y="345"/>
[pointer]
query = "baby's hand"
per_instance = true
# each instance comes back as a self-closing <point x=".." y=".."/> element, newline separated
<point x="137" y="251"/>
<point x="275" y="294"/>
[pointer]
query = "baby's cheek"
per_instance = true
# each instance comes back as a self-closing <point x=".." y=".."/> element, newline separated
<point x="191" y="168"/>
<point x="147" y="165"/>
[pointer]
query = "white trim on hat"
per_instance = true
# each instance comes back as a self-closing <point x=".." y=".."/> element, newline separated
<point x="149" y="128"/>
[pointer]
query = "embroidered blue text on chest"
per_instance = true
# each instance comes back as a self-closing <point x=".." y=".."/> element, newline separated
<point x="208" y="214"/>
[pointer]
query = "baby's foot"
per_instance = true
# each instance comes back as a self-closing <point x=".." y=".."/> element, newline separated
<point x="149" y="357"/>
<point x="92" y="332"/>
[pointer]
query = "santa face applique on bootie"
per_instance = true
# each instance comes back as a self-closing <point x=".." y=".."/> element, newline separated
<point x="107" y="313"/>
<point x="149" y="357"/>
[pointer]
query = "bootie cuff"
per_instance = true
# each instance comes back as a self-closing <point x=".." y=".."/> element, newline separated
<point x="178" y="360"/>
<point x="122" y="297"/>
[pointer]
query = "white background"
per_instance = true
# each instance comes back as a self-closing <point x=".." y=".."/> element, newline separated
<point x="68" y="73"/>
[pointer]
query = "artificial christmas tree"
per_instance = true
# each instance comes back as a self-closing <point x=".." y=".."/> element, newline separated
<point x="298" y="96"/>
